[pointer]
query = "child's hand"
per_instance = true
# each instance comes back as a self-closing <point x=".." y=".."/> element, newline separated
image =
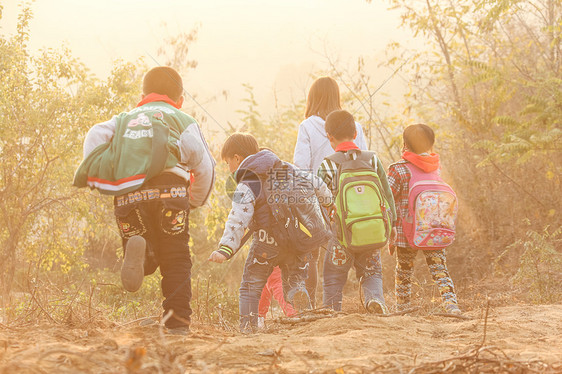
<point x="391" y="246"/>
<point x="331" y="211"/>
<point x="217" y="257"/>
<point x="391" y="249"/>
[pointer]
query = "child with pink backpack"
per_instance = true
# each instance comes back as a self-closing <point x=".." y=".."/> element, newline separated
<point x="427" y="209"/>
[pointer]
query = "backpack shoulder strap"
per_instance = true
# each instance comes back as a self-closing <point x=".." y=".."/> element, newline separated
<point x="369" y="156"/>
<point x="362" y="160"/>
<point x="417" y="174"/>
<point x="280" y="164"/>
<point x="338" y="158"/>
<point x="365" y="155"/>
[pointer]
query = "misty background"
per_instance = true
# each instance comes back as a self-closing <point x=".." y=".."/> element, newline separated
<point x="277" y="47"/>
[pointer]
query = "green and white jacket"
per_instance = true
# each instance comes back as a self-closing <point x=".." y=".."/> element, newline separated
<point x="154" y="138"/>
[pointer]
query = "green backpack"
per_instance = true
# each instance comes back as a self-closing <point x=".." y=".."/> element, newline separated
<point x="363" y="217"/>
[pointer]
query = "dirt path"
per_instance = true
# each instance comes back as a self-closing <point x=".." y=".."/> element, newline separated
<point x="346" y="343"/>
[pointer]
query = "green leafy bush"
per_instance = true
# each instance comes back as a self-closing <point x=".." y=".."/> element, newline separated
<point x="540" y="268"/>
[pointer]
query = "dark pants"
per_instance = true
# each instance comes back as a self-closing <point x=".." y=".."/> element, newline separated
<point x="263" y="256"/>
<point x="163" y="221"/>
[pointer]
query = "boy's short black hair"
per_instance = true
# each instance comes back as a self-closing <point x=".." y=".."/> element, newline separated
<point x="163" y="80"/>
<point x="341" y="125"/>
<point x="419" y="138"/>
<point x="242" y="144"/>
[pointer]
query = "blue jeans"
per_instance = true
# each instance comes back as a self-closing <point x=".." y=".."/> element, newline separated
<point x="263" y="256"/>
<point x="337" y="263"/>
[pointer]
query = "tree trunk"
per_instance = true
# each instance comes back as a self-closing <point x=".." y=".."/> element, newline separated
<point x="8" y="270"/>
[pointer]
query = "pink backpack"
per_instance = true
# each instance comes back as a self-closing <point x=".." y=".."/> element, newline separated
<point x="432" y="211"/>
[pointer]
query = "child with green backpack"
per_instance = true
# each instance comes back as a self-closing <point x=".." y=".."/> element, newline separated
<point x="363" y="218"/>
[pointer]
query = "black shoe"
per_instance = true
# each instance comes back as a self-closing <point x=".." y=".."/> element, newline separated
<point x="132" y="271"/>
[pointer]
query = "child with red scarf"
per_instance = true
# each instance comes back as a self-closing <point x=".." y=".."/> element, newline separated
<point x="156" y="163"/>
<point x="417" y="150"/>
<point x="341" y="131"/>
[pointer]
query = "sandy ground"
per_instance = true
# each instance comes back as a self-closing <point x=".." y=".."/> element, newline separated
<point x="341" y="344"/>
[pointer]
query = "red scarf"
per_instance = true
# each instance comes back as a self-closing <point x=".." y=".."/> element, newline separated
<point x="426" y="162"/>
<point x="157" y="97"/>
<point x="346" y="146"/>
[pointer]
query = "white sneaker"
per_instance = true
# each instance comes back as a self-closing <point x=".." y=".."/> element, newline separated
<point x="376" y="307"/>
<point x="453" y="309"/>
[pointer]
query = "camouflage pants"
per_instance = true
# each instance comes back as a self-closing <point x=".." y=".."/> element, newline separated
<point x="437" y="263"/>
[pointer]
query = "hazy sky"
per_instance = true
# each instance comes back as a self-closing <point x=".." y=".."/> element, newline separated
<point x="272" y="45"/>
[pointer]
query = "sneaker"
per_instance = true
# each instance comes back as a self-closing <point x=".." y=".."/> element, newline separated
<point x="248" y="329"/>
<point x="453" y="309"/>
<point x="261" y="323"/>
<point x="300" y="300"/>
<point x="376" y="307"/>
<point x="132" y="271"/>
<point x="179" y="331"/>
<point x="148" y="322"/>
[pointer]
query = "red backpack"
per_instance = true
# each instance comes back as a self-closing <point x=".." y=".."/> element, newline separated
<point x="432" y="211"/>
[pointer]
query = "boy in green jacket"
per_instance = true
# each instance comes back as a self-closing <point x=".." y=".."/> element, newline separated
<point x="155" y="162"/>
